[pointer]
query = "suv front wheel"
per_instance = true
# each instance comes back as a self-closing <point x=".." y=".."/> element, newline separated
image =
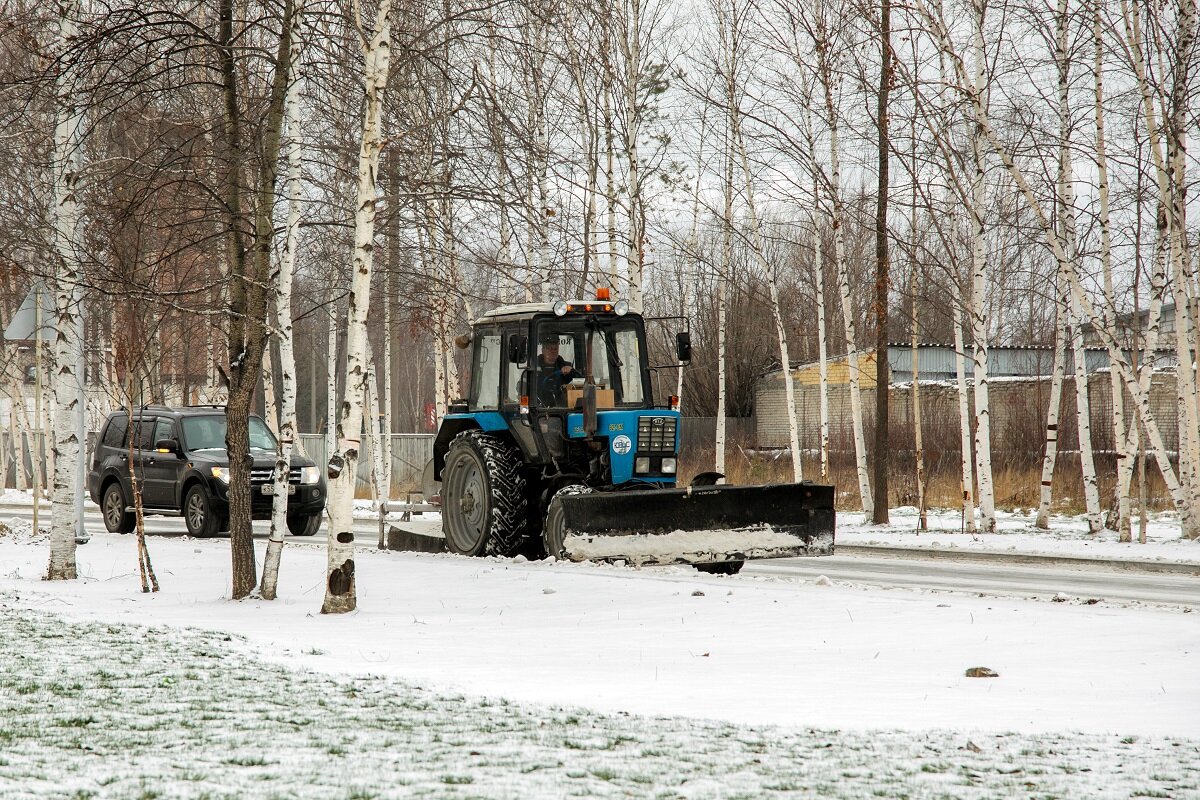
<point x="198" y="513"/>
<point x="116" y="518"/>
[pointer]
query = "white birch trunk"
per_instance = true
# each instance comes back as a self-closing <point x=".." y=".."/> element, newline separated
<point x="288" y="439"/>
<point x="378" y="479"/>
<point x="68" y="446"/>
<point x="1066" y="172"/>
<point x="1050" y="457"/>
<point x="340" y="587"/>
<point x="331" y="373"/>
<point x="978" y="304"/>
<point x="1177" y="127"/>
<point x="964" y="417"/>
<point x="20" y="433"/>
<point x="632" y="55"/>
<point x="387" y="382"/>
<point x="722" y="298"/>
<point x="1091" y="492"/>
<point x="822" y="335"/>
<point x="1120" y="517"/>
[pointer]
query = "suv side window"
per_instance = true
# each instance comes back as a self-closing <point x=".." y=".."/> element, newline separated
<point x="165" y="429"/>
<point x="143" y="433"/>
<point x="114" y="434"/>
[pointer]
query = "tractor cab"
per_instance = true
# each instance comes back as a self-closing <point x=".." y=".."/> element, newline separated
<point x="569" y="383"/>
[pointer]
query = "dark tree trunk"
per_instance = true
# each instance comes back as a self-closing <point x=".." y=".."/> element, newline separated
<point x="882" y="382"/>
<point x="248" y="279"/>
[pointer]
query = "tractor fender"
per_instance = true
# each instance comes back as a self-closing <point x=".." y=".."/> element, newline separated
<point x="454" y="424"/>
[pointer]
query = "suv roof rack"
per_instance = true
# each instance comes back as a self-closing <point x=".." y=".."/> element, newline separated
<point x="204" y="405"/>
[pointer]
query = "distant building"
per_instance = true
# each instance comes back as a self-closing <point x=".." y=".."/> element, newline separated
<point x="1019" y="394"/>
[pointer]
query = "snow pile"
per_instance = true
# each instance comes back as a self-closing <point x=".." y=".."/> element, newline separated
<point x="21" y="531"/>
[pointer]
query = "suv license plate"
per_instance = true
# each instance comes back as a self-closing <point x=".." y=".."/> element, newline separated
<point x="269" y="488"/>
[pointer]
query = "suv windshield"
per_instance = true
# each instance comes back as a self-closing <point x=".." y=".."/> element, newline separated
<point x="572" y="351"/>
<point x="208" y="433"/>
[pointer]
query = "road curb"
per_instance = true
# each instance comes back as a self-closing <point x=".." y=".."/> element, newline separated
<point x="1081" y="562"/>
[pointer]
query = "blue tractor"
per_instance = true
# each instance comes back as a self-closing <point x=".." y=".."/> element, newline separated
<point x="560" y="450"/>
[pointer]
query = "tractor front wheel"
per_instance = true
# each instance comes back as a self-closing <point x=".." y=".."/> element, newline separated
<point x="554" y="529"/>
<point x="483" y="496"/>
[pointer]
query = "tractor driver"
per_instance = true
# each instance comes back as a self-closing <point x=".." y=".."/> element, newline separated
<point x="553" y="372"/>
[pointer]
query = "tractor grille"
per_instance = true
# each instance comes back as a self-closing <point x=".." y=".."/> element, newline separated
<point x="259" y="476"/>
<point x="656" y="434"/>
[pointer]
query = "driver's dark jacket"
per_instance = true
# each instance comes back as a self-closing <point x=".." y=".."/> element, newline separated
<point x="551" y="380"/>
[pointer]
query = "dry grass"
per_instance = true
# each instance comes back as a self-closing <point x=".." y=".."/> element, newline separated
<point x="1016" y="486"/>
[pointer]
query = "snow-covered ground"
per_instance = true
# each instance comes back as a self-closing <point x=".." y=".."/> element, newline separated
<point x="1015" y="533"/>
<point x="505" y="678"/>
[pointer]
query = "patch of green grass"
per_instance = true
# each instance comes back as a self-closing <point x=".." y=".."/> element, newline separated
<point x="77" y="722"/>
<point x="457" y="780"/>
<point x="246" y="761"/>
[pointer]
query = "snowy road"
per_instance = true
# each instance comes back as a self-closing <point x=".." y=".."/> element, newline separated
<point x="1008" y="579"/>
<point x="1043" y="578"/>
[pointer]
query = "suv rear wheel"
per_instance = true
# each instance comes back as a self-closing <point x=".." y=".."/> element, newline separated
<point x="198" y="513"/>
<point x="116" y="518"/>
<point x="304" y="524"/>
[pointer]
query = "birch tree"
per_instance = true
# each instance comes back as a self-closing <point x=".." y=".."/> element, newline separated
<point x="281" y="284"/>
<point x="68" y="344"/>
<point x="1120" y="521"/>
<point x="1067" y="226"/>
<point x="340" y="587"/>
<point x="826" y="74"/>
<point x="729" y="31"/>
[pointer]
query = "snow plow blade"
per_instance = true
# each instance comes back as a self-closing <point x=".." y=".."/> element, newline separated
<point x="700" y="524"/>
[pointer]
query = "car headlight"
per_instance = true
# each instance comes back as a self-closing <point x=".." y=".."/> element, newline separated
<point x="309" y="475"/>
<point x="641" y="464"/>
<point x="668" y="466"/>
<point x="221" y="474"/>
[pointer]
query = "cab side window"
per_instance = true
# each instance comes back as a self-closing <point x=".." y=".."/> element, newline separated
<point x="485" y="383"/>
<point x="114" y="434"/>
<point x="512" y="372"/>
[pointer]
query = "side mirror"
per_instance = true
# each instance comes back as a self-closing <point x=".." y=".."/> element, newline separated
<point x="518" y="349"/>
<point x="167" y="446"/>
<point x="683" y="347"/>
<point x="590" y="420"/>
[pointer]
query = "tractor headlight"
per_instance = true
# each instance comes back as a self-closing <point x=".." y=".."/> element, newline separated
<point x="621" y="308"/>
<point x="668" y="466"/>
<point x="560" y="308"/>
<point x="641" y="465"/>
<point x="309" y="476"/>
<point x="221" y="474"/>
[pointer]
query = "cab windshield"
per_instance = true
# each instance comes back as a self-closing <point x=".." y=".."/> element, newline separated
<point x="208" y="433"/>
<point x="571" y="352"/>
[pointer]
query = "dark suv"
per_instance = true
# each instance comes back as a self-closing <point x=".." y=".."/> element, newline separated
<point x="182" y="468"/>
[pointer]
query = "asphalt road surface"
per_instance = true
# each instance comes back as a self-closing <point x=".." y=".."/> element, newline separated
<point x="1046" y="579"/>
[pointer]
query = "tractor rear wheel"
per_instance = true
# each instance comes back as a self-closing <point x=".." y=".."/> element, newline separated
<point x="554" y="530"/>
<point x="483" y="496"/>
